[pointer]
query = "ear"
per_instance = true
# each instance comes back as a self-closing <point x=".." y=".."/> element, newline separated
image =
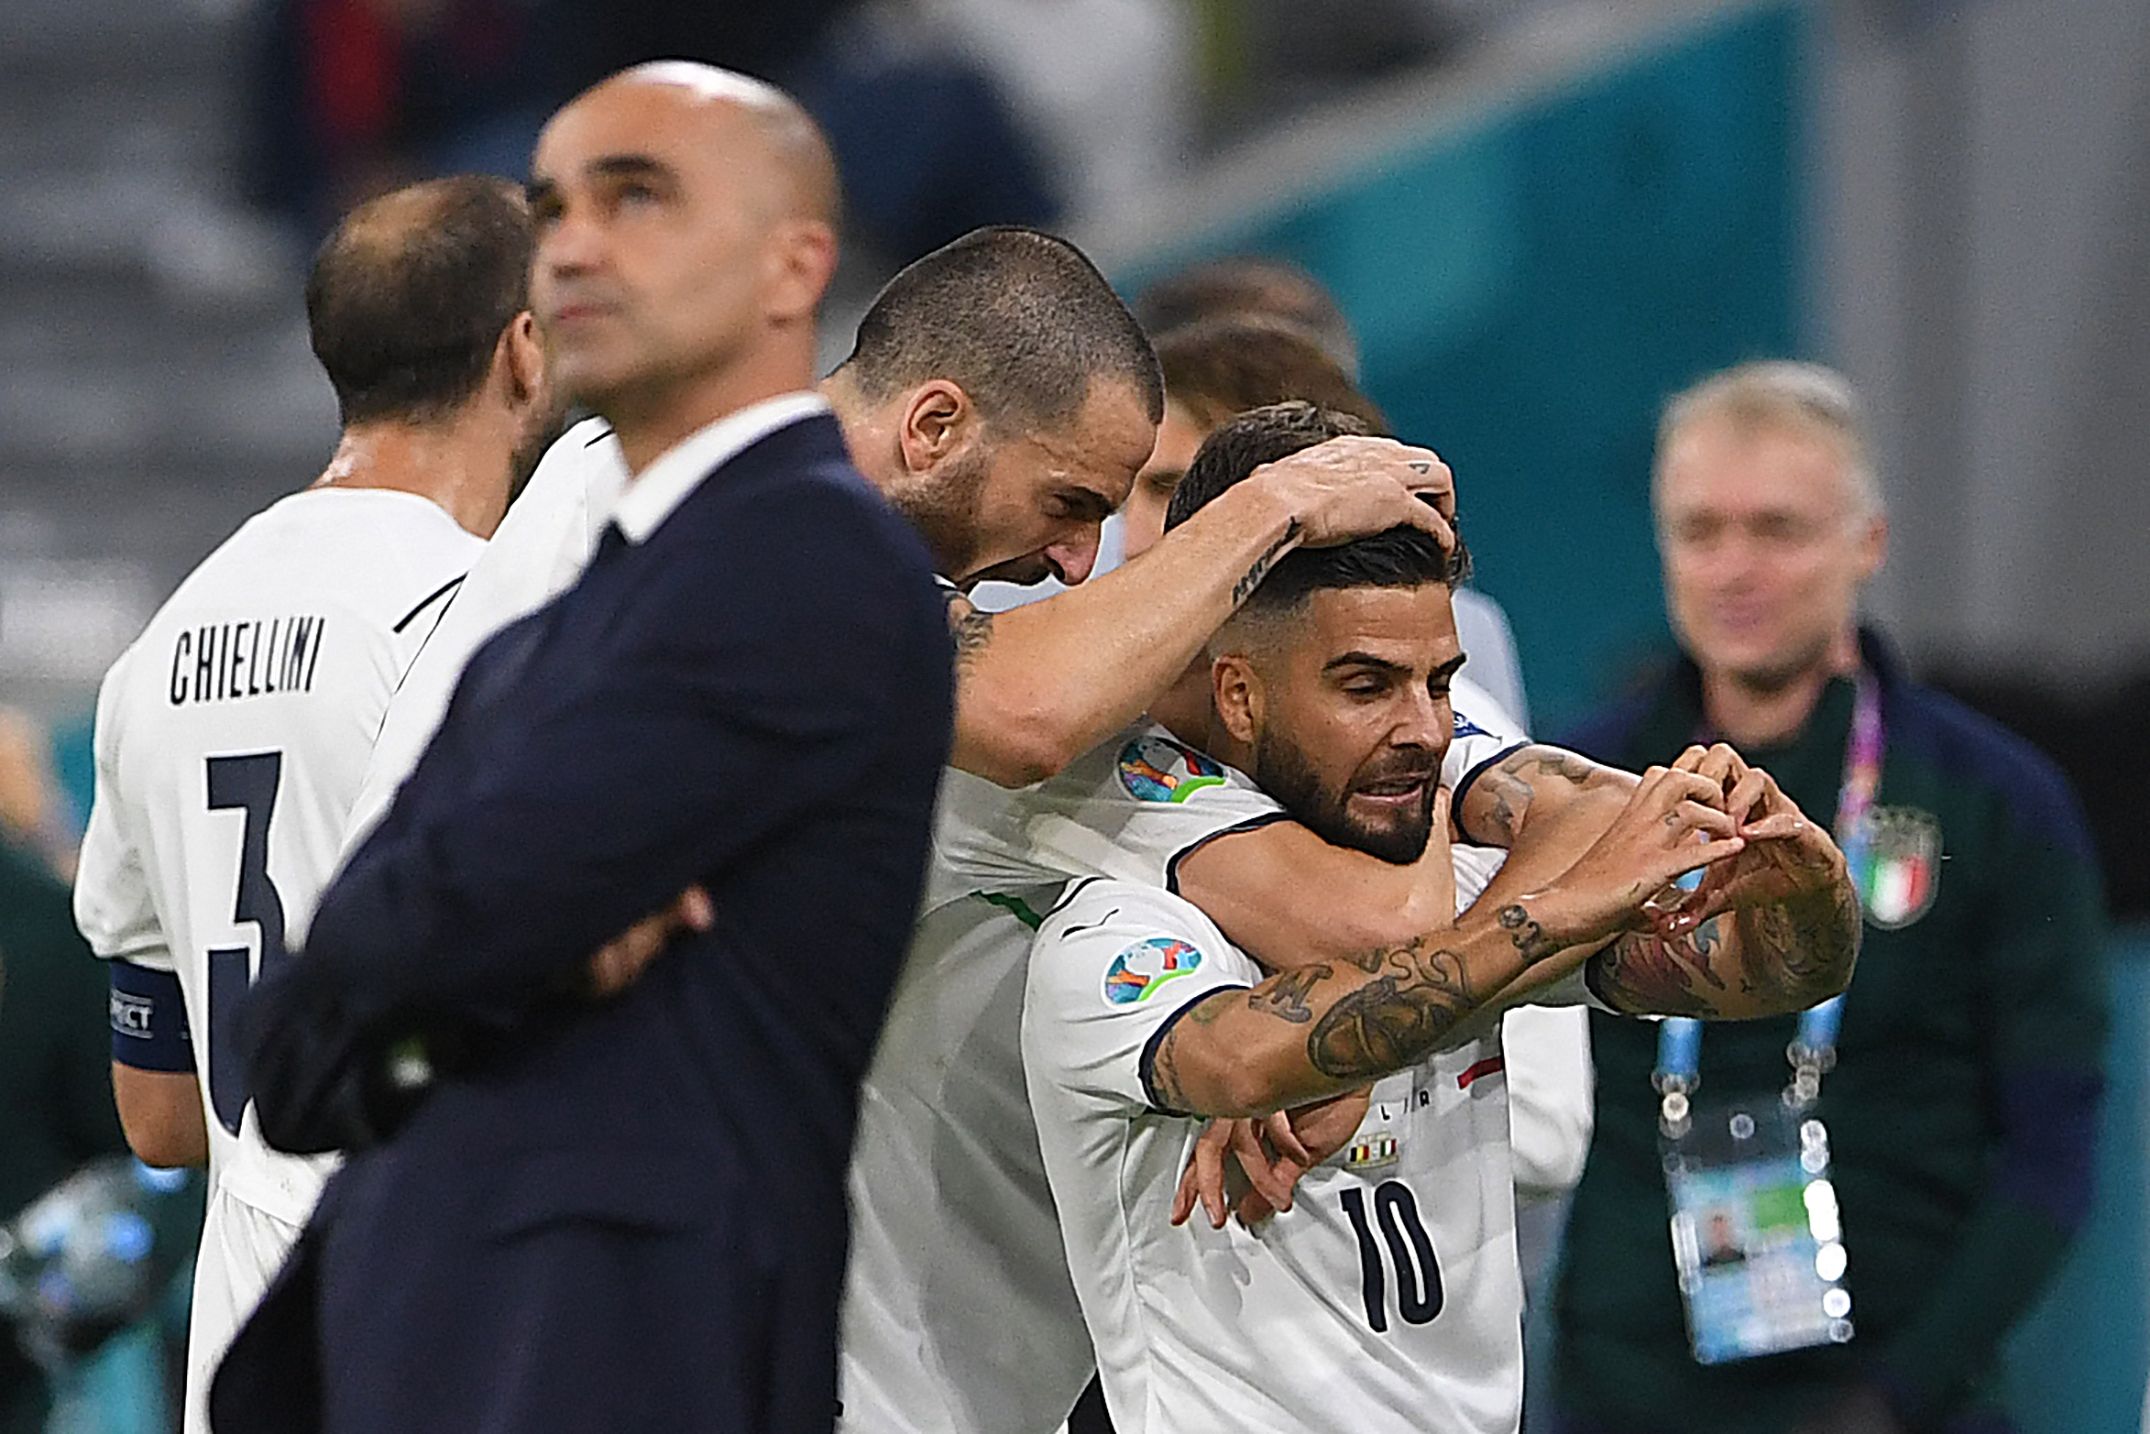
<point x="1235" y="689"/>
<point x="803" y="261"/>
<point x="938" y="422"/>
<point x="522" y="361"/>
<point x="1873" y="546"/>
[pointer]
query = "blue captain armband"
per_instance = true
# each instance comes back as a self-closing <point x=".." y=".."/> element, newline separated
<point x="149" y="1020"/>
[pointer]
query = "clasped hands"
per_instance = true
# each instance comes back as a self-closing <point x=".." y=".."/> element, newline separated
<point x="1709" y="811"/>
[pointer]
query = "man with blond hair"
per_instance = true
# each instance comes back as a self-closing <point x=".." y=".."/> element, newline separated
<point x="1959" y="1082"/>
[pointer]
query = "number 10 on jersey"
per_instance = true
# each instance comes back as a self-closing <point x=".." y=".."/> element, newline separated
<point x="1407" y="1246"/>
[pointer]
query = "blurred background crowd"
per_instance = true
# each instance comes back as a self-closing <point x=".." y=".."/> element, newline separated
<point x="1541" y="217"/>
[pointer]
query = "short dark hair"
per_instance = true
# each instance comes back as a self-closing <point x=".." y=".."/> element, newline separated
<point x="1227" y="364"/>
<point x="1400" y="557"/>
<point x="1274" y="288"/>
<point x="1019" y="318"/>
<point x="409" y="296"/>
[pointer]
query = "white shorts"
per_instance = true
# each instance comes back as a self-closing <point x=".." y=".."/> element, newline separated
<point x="242" y="1249"/>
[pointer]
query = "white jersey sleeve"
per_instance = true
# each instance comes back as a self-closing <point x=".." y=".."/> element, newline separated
<point x="1104" y="987"/>
<point x="1484" y="733"/>
<point x="115" y="908"/>
<point x="1128" y="810"/>
<point x="1551" y="1110"/>
<point x="538" y="552"/>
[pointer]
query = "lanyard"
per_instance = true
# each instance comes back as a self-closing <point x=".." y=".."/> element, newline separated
<point x="1813" y="1050"/>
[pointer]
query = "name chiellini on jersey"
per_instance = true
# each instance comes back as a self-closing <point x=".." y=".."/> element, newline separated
<point x="231" y="738"/>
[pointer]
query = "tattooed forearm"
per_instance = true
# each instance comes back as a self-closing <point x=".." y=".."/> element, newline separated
<point x="1511" y="787"/>
<point x="1285" y="996"/>
<point x="1395" y="1019"/>
<point x="1643" y="973"/>
<point x="1252" y="578"/>
<point x="972" y="630"/>
<point x="1803" y="951"/>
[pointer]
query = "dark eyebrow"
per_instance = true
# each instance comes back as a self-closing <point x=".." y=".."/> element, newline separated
<point x="1362" y="659"/>
<point x="1088" y="504"/>
<point x="1165" y="477"/>
<point x="1451" y="667"/>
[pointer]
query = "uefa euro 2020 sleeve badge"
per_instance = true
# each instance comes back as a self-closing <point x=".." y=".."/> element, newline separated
<point x="1898" y="872"/>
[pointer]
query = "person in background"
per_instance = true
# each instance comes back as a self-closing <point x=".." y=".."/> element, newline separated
<point x="1251" y="285"/>
<point x="34" y="810"/>
<point x="55" y="1099"/>
<point x="1968" y="1070"/>
<point x="1230" y="290"/>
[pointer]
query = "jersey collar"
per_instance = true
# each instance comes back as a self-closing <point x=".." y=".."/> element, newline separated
<point x="650" y="498"/>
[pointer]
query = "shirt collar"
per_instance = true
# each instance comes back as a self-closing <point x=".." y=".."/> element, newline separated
<point x="649" y="499"/>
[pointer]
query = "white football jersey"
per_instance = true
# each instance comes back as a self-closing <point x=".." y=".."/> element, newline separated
<point x="536" y="554"/>
<point x="1386" y="1301"/>
<point x="230" y="740"/>
<point x="958" y="1310"/>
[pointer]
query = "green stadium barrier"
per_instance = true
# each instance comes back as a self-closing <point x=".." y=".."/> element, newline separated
<point x="1529" y="287"/>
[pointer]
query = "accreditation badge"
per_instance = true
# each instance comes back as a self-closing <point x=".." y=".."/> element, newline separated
<point x="1898" y="865"/>
<point x="1756" y="1238"/>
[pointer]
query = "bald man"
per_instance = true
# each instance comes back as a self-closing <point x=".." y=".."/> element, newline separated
<point x="571" y="1211"/>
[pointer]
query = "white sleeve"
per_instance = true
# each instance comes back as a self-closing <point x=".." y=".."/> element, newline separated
<point x="1550" y="1098"/>
<point x="1483" y="629"/>
<point x="1112" y="968"/>
<point x="113" y="905"/>
<point x="539" y="550"/>
<point x="1129" y="810"/>
<point x="1484" y="733"/>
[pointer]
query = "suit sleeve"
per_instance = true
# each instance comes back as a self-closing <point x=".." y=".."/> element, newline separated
<point x="2047" y="971"/>
<point x="747" y="701"/>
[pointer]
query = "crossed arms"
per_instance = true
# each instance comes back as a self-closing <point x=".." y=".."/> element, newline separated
<point x="1774" y="927"/>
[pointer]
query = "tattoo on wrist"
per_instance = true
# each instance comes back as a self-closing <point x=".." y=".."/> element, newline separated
<point x="1252" y="578"/>
<point x="1523" y="929"/>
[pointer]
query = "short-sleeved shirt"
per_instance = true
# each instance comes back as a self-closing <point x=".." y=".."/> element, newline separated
<point x="230" y="741"/>
<point x="536" y="554"/>
<point x="1386" y="1299"/>
<point x="958" y="1310"/>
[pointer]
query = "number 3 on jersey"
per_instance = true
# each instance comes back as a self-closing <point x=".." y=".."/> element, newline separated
<point x="249" y="785"/>
<point x="1409" y="1247"/>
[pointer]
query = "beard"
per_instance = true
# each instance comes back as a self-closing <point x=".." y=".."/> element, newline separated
<point x="543" y="431"/>
<point x="943" y="507"/>
<point x="1282" y="770"/>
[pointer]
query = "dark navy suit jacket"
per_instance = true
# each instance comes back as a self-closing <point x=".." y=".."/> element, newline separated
<point x="619" y="1215"/>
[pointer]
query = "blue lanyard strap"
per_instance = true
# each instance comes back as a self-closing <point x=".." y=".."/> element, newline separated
<point x="1813" y="1050"/>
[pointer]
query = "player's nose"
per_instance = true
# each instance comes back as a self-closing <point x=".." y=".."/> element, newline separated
<point x="1072" y="561"/>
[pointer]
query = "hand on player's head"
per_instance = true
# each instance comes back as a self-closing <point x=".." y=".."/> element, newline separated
<point x="1354" y="487"/>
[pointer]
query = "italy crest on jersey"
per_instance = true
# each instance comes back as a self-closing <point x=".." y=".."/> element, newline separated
<point x="1137" y="973"/>
<point x="1896" y="864"/>
<point x="1158" y="769"/>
